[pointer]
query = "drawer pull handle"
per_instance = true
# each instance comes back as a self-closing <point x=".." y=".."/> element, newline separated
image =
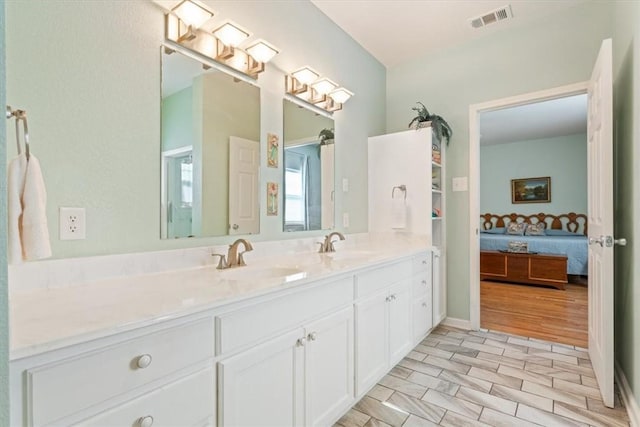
<point x="143" y="362"/>
<point x="312" y="336"/>
<point x="145" y="421"/>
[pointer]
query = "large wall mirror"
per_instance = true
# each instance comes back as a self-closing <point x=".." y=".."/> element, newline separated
<point x="210" y="151"/>
<point x="308" y="170"/>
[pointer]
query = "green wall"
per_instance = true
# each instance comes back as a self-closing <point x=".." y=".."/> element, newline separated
<point x="559" y="50"/>
<point x="4" y="311"/>
<point x="177" y="120"/>
<point x="626" y="72"/>
<point x="89" y="75"/>
<point x="567" y="167"/>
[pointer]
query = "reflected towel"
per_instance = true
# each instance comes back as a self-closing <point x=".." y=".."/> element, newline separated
<point x="28" y="232"/>
<point x="399" y="211"/>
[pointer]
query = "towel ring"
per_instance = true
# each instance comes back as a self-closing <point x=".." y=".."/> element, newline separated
<point x="20" y="115"/>
<point x="402" y="188"/>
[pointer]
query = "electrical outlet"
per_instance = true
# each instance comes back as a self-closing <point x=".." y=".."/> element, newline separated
<point x="345" y="220"/>
<point x="73" y="225"/>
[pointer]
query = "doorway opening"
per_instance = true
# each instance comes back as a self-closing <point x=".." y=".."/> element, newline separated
<point x="521" y="173"/>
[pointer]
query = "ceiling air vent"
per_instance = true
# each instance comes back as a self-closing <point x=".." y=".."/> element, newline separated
<point x="492" y="17"/>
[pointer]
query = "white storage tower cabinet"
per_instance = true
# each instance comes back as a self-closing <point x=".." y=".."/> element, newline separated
<point x="414" y="159"/>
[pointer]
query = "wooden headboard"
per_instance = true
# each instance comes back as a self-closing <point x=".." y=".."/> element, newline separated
<point x="573" y="222"/>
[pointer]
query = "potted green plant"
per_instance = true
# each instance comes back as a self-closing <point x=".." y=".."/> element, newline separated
<point x="440" y="126"/>
<point x="326" y="136"/>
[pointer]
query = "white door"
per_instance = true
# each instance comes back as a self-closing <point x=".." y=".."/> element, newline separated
<point x="400" y="320"/>
<point x="600" y="184"/>
<point x="264" y="386"/>
<point x="244" y="168"/>
<point x="372" y="341"/>
<point x="329" y="368"/>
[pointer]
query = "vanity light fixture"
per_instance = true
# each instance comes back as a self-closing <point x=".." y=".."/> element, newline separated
<point x="182" y="27"/>
<point x="341" y="95"/>
<point x="306" y="85"/>
<point x="262" y="51"/>
<point x="230" y="34"/>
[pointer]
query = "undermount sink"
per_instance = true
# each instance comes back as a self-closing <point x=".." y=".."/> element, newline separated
<point x="249" y="272"/>
<point x="349" y="255"/>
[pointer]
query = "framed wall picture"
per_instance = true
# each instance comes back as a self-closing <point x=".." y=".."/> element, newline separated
<point x="272" y="150"/>
<point x="272" y="198"/>
<point x="531" y="190"/>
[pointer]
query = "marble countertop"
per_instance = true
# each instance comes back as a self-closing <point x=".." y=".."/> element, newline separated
<point x="51" y="318"/>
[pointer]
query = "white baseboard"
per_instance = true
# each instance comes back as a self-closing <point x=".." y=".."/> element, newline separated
<point x="628" y="398"/>
<point x="457" y="323"/>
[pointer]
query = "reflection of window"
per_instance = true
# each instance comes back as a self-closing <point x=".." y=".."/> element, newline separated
<point x="295" y="187"/>
<point x="294" y="196"/>
<point x="186" y="182"/>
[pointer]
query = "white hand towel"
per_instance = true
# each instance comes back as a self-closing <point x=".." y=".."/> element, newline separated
<point x="27" y="211"/>
<point x="399" y="211"/>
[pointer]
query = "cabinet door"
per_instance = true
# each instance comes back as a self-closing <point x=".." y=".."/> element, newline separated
<point x="329" y="367"/>
<point x="372" y="341"/>
<point x="264" y="386"/>
<point x="422" y="317"/>
<point x="400" y="320"/>
<point x="439" y="289"/>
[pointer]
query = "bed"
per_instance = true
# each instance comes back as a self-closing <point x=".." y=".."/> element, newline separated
<point x="565" y="234"/>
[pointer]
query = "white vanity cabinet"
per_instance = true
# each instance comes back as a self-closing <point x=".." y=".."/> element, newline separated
<point x="383" y="321"/>
<point x="301" y="378"/>
<point x="120" y="382"/>
<point x="291" y="358"/>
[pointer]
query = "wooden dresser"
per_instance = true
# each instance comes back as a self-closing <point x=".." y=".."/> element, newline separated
<point x="536" y="269"/>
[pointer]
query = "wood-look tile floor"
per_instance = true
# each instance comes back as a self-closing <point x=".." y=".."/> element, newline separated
<point x="485" y="378"/>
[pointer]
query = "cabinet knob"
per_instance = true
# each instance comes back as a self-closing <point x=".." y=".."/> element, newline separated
<point x="424" y="282"/>
<point x="142" y="362"/>
<point x="312" y="336"/>
<point x="424" y="261"/>
<point x="301" y="342"/>
<point x="388" y="299"/>
<point x="393" y="297"/>
<point x="146" y="421"/>
<point x="424" y="304"/>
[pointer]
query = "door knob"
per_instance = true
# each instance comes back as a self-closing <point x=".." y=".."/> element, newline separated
<point x="620" y="242"/>
<point x="235" y="226"/>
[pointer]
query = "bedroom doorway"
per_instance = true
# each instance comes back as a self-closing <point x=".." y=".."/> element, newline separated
<point x="533" y="192"/>
<point x="600" y="209"/>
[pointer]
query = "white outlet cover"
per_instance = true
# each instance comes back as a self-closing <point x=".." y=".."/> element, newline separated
<point x="73" y="224"/>
<point x="345" y="220"/>
<point x="345" y="185"/>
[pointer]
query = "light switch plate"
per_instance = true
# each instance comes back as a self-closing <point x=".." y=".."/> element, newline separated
<point x="73" y="224"/>
<point x="460" y="183"/>
<point x="345" y="219"/>
<point x="345" y="185"/>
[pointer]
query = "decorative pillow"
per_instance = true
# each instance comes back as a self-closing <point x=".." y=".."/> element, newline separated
<point x="516" y="228"/>
<point x="535" y="229"/>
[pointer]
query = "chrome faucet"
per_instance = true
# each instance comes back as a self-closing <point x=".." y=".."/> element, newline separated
<point x="327" y="245"/>
<point x="235" y="258"/>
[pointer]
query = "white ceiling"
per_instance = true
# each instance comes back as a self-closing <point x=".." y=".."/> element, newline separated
<point x="548" y="119"/>
<point x="395" y="31"/>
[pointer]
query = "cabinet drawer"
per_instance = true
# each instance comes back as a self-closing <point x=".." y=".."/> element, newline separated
<point x="251" y="324"/>
<point x="421" y="285"/>
<point x="376" y="279"/>
<point x="422" y="317"/>
<point x="63" y="388"/>
<point x="422" y="263"/>
<point x="187" y="402"/>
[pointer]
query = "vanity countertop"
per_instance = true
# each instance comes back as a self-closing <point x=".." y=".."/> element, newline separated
<point x="51" y="318"/>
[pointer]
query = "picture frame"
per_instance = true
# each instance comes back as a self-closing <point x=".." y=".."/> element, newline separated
<point x="272" y="150"/>
<point x="272" y="198"/>
<point x="531" y="190"/>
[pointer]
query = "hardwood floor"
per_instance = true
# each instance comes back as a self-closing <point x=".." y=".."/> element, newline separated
<point x="537" y="312"/>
